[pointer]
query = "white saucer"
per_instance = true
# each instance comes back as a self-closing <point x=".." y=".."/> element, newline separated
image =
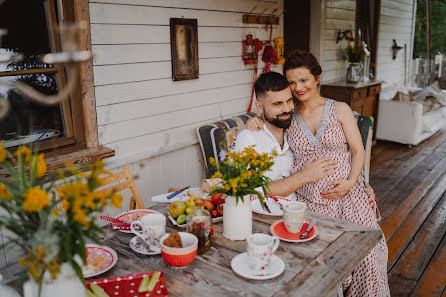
<point x="240" y="266"/>
<point x="141" y="248"/>
<point x="275" y="209"/>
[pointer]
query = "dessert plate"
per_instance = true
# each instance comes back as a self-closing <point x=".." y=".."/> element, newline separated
<point x="134" y="215"/>
<point x="100" y="258"/>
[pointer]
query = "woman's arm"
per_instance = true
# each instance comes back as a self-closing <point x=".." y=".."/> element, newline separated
<point x="351" y="132"/>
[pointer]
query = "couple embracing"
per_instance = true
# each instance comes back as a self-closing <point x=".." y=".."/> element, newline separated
<point x="320" y="158"/>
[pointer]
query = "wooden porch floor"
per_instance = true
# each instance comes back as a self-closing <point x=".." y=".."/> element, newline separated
<point x="410" y="186"/>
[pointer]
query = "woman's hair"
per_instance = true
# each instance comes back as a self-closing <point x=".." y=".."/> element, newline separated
<point x="301" y="58"/>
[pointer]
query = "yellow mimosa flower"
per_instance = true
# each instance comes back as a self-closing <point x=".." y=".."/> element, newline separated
<point x="116" y="200"/>
<point x="35" y="199"/>
<point x="41" y="165"/>
<point x="24" y="151"/>
<point x="5" y="193"/>
<point x="2" y="153"/>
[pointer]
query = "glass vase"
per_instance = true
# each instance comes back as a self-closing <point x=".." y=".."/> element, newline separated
<point x="353" y="72"/>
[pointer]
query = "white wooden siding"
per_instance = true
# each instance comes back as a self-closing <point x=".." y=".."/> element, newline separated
<point x="340" y="15"/>
<point x="141" y="111"/>
<point x="396" y="22"/>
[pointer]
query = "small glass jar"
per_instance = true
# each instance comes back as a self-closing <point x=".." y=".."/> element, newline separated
<point x="199" y="224"/>
<point x="353" y="72"/>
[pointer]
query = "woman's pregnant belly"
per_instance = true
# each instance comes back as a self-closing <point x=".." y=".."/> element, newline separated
<point x="342" y="171"/>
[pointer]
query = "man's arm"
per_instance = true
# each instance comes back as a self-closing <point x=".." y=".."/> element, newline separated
<point x="313" y="171"/>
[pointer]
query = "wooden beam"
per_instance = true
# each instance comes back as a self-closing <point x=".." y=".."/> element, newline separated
<point x="82" y="14"/>
<point x="28" y="71"/>
<point x="79" y="157"/>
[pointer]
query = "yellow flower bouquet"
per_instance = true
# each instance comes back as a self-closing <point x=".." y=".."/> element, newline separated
<point x="242" y="172"/>
<point x="50" y="230"/>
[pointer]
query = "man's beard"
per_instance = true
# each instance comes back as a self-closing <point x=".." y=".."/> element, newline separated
<point x="284" y="124"/>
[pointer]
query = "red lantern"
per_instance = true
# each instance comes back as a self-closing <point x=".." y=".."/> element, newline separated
<point x="251" y="48"/>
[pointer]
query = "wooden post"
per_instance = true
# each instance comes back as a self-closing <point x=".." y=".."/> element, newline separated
<point x="82" y="14"/>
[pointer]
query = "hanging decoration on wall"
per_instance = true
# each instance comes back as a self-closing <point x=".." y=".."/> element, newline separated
<point x="280" y="45"/>
<point x="184" y="48"/>
<point x="269" y="53"/>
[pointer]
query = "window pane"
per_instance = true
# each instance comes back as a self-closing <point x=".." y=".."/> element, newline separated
<point x="26" y="22"/>
<point x="28" y="121"/>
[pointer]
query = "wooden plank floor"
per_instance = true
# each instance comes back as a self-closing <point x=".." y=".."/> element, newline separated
<point x="410" y="186"/>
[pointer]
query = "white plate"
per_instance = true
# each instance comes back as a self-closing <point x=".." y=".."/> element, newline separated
<point x="100" y="259"/>
<point x="141" y="248"/>
<point x="183" y="196"/>
<point x="134" y="215"/>
<point x="213" y="220"/>
<point x="240" y="266"/>
<point x="275" y="209"/>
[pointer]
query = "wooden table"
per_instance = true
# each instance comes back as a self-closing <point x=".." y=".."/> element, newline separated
<point x="313" y="268"/>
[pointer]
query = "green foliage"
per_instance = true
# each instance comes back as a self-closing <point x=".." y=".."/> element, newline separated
<point x="242" y="173"/>
<point x="437" y="27"/>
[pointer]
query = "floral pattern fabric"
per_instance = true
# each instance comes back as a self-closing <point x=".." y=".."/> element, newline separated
<point x="370" y="276"/>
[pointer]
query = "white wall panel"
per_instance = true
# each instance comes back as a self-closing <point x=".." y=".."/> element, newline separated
<point x="396" y="22"/>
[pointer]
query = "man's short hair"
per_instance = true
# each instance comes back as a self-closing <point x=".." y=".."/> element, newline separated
<point x="269" y="81"/>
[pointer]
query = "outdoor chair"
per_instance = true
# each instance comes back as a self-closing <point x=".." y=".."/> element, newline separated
<point x="117" y="183"/>
<point x="219" y="136"/>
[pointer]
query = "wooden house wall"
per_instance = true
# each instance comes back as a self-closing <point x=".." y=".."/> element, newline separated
<point x="396" y="22"/>
<point x="339" y="15"/>
<point x="146" y="117"/>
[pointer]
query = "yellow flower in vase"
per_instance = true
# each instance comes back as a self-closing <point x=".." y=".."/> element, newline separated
<point x="41" y="165"/>
<point x="5" y="193"/>
<point x="35" y="199"/>
<point x="24" y="151"/>
<point x="116" y="200"/>
<point x="2" y="153"/>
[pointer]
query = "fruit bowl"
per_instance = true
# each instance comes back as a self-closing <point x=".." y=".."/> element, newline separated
<point x="180" y="257"/>
<point x="183" y="226"/>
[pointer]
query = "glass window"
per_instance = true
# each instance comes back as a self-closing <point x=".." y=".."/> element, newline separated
<point x="31" y="27"/>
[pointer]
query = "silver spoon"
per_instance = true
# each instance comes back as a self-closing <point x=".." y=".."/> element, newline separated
<point x="305" y="235"/>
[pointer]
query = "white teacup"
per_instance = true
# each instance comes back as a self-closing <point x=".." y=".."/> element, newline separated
<point x="260" y="249"/>
<point x="294" y="216"/>
<point x="150" y="228"/>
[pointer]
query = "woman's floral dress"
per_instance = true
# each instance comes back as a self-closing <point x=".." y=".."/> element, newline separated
<point x="370" y="276"/>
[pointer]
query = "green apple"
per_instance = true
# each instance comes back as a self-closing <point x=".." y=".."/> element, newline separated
<point x="176" y="209"/>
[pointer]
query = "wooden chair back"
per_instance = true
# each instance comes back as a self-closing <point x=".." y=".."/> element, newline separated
<point x="126" y="181"/>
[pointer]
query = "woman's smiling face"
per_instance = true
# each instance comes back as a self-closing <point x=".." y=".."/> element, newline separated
<point x="302" y="82"/>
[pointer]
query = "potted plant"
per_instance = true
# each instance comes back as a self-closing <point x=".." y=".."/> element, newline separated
<point x="241" y="174"/>
<point x="51" y="232"/>
<point x="355" y="53"/>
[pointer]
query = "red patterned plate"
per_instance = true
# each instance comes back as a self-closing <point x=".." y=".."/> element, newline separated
<point x="134" y="215"/>
<point x="100" y="259"/>
<point x="278" y="229"/>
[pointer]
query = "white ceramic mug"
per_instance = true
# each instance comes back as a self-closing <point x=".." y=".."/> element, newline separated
<point x="150" y="228"/>
<point x="260" y="249"/>
<point x="294" y="216"/>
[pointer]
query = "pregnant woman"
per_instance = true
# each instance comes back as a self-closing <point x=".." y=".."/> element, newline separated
<point x="323" y="127"/>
